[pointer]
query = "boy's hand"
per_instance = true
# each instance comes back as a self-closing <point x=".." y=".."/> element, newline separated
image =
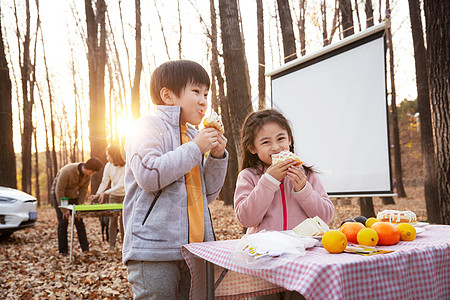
<point x="279" y="171"/>
<point x="219" y="150"/>
<point x="297" y="177"/>
<point x="207" y="139"/>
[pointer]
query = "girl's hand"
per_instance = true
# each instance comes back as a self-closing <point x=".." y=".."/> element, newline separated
<point x="219" y="150"/>
<point x="279" y="171"/>
<point x="298" y="178"/>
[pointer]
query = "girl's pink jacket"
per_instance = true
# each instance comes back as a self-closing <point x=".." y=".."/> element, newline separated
<point x="258" y="202"/>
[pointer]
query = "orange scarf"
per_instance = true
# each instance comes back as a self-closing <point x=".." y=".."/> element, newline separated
<point x="195" y="199"/>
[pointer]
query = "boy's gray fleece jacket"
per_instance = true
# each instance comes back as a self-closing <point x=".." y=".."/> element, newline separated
<point x="155" y="211"/>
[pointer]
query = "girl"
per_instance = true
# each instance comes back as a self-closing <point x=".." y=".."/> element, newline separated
<point x="275" y="197"/>
<point x="114" y="172"/>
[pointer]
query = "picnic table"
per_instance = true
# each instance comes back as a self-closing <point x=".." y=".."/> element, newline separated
<point x="89" y="211"/>
<point x="418" y="269"/>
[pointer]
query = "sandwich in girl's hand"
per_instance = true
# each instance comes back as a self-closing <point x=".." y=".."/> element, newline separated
<point x="284" y="156"/>
<point x="214" y="121"/>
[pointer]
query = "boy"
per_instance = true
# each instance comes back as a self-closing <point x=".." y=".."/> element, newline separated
<point x="168" y="182"/>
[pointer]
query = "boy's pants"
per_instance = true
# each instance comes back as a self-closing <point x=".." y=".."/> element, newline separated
<point x="159" y="280"/>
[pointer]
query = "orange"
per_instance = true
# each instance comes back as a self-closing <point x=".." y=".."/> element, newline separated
<point x="367" y="237"/>
<point x="351" y="229"/>
<point x="388" y="234"/>
<point x="334" y="241"/>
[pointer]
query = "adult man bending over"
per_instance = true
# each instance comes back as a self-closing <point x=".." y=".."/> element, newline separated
<point x="72" y="181"/>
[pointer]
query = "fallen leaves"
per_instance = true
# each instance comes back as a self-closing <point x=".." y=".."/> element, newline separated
<point x="31" y="267"/>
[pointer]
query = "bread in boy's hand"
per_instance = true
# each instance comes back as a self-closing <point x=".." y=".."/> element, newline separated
<point x="214" y="121"/>
<point x="284" y="156"/>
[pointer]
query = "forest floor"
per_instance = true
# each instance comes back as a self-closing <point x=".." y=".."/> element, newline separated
<point x="31" y="267"/>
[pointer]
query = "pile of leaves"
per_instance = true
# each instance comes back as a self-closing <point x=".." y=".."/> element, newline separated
<point x="31" y="267"/>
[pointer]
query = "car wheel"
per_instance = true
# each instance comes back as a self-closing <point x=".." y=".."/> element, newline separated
<point x="4" y="236"/>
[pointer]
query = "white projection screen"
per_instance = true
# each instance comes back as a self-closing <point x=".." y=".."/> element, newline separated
<point x="336" y="101"/>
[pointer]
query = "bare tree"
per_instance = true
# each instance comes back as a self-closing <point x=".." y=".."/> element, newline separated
<point x="135" y="94"/>
<point x="334" y="25"/>
<point x="96" y="42"/>
<point x="8" y="157"/>
<point x="36" y="169"/>
<point x="219" y="100"/>
<point x="25" y="71"/>
<point x="48" y="155"/>
<point x="162" y="30"/>
<point x="357" y="15"/>
<point x="238" y="89"/>
<point x="424" y="105"/>
<point x="261" y="56"/>
<point x="301" y="27"/>
<point x="345" y="7"/>
<point x="53" y="156"/>
<point x="437" y="14"/>
<point x="395" y="130"/>
<point x="181" y="30"/>
<point x="368" y="8"/>
<point x="290" y="51"/>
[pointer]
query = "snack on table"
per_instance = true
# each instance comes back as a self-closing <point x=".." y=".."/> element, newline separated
<point x="214" y="121"/>
<point x="311" y="227"/>
<point x="397" y="216"/>
<point x="285" y="155"/>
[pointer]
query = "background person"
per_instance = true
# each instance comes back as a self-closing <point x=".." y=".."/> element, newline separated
<point x="113" y="173"/>
<point x="72" y="181"/>
<point x="169" y="183"/>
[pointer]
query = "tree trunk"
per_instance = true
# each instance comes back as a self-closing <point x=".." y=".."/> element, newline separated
<point x="301" y="27"/>
<point x="238" y="88"/>
<point x="290" y="52"/>
<point x="437" y="14"/>
<point x="48" y="160"/>
<point x="369" y="13"/>
<point x="8" y="157"/>
<point x="96" y="42"/>
<point x="357" y="15"/>
<point x="36" y="170"/>
<point x="135" y="95"/>
<point x="345" y="7"/>
<point x="227" y="192"/>
<point x="27" y="107"/>
<point x="181" y="31"/>
<point x="53" y="157"/>
<point x="261" y="56"/>
<point x="366" y="207"/>
<point x="395" y="130"/>
<point x="426" y="127"/>
<point x="327" y="40"/>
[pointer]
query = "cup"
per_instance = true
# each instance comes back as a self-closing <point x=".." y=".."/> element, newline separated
<point x="64" y="201"/>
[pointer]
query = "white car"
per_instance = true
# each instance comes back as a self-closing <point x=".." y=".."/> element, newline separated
<point x="17" y="211"/>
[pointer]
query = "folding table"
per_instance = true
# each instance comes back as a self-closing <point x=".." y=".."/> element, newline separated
<point x="92" y="210"/>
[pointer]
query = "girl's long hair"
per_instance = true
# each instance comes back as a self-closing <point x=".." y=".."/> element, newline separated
<point x="252" y="124"/>
<point x="114" y="152"/>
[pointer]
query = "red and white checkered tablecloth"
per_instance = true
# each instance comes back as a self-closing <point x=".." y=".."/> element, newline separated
<point x="415" y="270"/>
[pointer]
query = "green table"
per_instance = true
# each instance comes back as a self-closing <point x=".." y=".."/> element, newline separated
<point x="92" y="210"/>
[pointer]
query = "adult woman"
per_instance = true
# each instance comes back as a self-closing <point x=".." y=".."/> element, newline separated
<point x="114" y="172"/>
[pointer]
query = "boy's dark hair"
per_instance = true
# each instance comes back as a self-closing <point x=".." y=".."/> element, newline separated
<point x="93" y="164"/>
<point x="175" y="75"/>
<point x="114" y="152"/>
<point x="252" y="124"/>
